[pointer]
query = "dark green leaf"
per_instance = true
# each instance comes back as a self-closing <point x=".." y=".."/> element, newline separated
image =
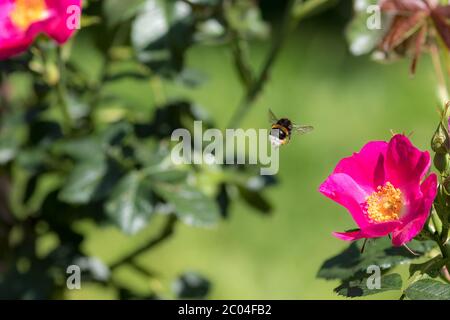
<point x="11" y="133"/>
<point x="191" y="285"/>
<point x="377" y="252"/>
<point x="33" y="159"/>
<point x="169" y="175"/>
<point x="428" y="289"/>
<point x="191" y="206"/>
<point x="44" y="132"/>
<point x="34" y="284"/>
<point x="88" y="149"/>
<point x="362" y="287"/>
<point x="161" y="34"/>
<point x="130" y="204"/>
<point x="115" y="133"/>
<point x="177" y="114"/>
<point x="83" y="182"/>
<point x="117" y="11"/>
<point x="255" y="199"/>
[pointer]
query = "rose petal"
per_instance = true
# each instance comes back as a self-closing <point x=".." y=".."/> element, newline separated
<point x="345" y="191"/>
<point x="367" y="166"/>
<point x="60" y="29"/>
<point x="373" y="230"/>
<point x="405" y="164"/>
<point x="415" y="221"/>
<point x="350" y="235"/>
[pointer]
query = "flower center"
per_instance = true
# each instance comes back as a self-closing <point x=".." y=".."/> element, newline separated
<point x="26" y="12"/>
<point x="385" y="204"/>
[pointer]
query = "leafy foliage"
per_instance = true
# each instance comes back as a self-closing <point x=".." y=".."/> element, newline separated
<point x="376" y="252"/>
<point x="72" y="153"/>
<point x="351" y="265"/>
<point x="191" y="285"/>
<point x="360" y="287"/>
<point x="428" y="289"/>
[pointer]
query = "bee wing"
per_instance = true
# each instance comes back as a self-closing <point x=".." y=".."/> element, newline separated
<point x="272" y="117"/>
<point x="302" y="129"/>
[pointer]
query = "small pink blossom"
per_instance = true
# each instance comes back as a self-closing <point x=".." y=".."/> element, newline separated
<point x="382" y="187"/>
<point x="22" y="20"/>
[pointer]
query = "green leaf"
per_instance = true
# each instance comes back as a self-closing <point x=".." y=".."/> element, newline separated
<point x="83" y="182"/>
<point x="361" y="287"/>
<point x="255" y="199"/>
<point x="377" y="252"/>
<point x="170" y="176"/>
<point x="428" y="289"/>
<point x="115" y="133"/>
<point x="360" y="38"/>
<point x="430" y="268"/>
<point x="81" y="149"/>
<point x="117" y="11"/>
<point x="246" y="19"/>
<point x="191" y="285"/>
<point x="191" y="206"/>
<point x="307" y="8"/>
<point x="161" y="33"/>
<point x="11" y="135"/>
<point x="130" y="205"/>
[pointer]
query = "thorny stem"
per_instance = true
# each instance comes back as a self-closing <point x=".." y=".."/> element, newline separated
<point x="165" y="233"/>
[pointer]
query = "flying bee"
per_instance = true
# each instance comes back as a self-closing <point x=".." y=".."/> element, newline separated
<point x="282" y="130"/>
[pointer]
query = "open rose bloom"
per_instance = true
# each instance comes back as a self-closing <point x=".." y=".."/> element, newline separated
<point x="384" y="189"/>
<point x="22" y="20"/>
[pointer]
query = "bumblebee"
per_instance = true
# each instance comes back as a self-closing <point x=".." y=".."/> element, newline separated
<point x="282" y="129"/>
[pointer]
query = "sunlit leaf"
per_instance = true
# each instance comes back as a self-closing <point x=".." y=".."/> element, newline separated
<point x="363" y="286"/>
<point x="130" y="205"/>
<point x="11" y="134"/>
<point x="117" y="11"/>
<point x="191" y="285"/>
<point x="428" y="289"/>
<point x="84" y="182"/>
<point x="161" y="33"/>
<point x="377" y="252"/>
<point x="191" y="206"/>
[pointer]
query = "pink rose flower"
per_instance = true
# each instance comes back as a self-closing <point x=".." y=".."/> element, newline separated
<point x="22" y="20"/>
<point x="382" y="188"/>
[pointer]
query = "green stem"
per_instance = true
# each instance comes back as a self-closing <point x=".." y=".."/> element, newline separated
<point x="258" y="84"/>
<point x="241" y="59"/>
<point x="438" y="237"/>
<point x="442" y="83"/>
<point x="62" y="94"/>
<point x="165" y="233"/>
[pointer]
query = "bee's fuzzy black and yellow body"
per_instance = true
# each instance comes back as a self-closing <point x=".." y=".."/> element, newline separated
<point x="284" y="127"/>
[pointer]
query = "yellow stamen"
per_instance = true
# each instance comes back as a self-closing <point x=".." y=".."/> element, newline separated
<point x="385" y="204"/>
<point x="27" y="12"/>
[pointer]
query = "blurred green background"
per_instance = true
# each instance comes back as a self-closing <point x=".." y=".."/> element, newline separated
<point x="316" y="81"/>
